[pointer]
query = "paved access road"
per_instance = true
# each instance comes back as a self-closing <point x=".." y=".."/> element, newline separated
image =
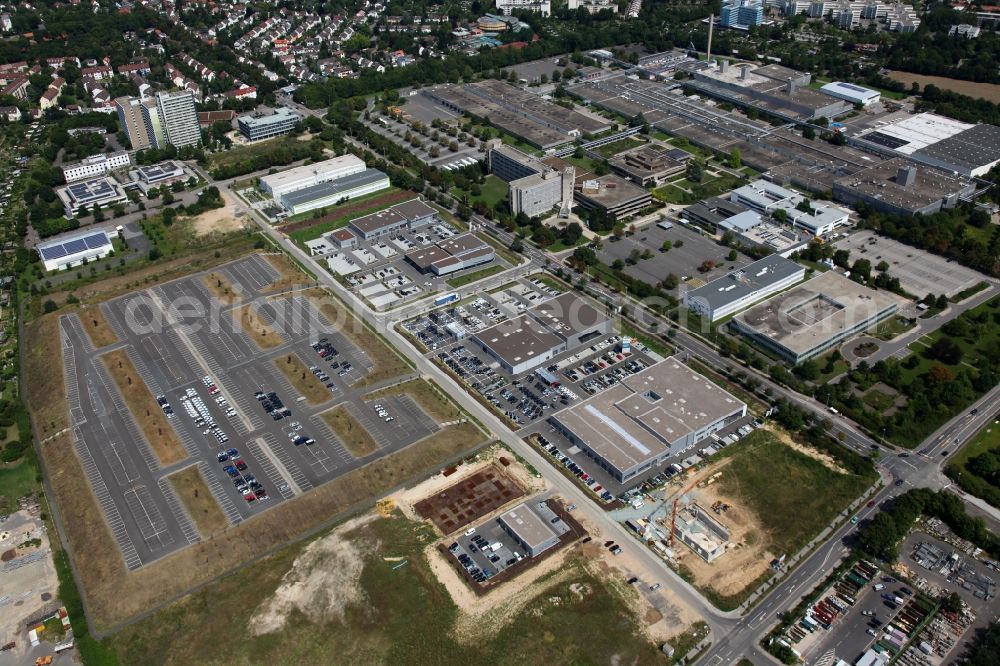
<point x="733" y="636"/>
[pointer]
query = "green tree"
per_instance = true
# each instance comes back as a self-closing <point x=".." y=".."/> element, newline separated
<point x="735" y="158"/>
<point x="666" y="246"/>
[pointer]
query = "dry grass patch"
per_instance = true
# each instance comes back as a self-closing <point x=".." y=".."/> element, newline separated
<point x="115" y="597"/>
<point x="45" y="387"/>
<point x="101" y="334"/>
<point x="427" y="395"/>
<point x="289" y="275"/>
<point x="262" y="333"/>
<point x="230" y="249"/>
<point x="387" y="363"/>
<point x="302" y="379"/>
<point x="352" y="434"/>
<point x="193" y="492"/>
<point x="150" y="417"/>
<point x="221" y="288"/>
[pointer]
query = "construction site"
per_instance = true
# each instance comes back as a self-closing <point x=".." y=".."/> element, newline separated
<point x="726" y="525"/>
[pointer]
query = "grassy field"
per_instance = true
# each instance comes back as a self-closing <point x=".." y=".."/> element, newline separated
<point x="221" y="288"/>
<point x="793" y="495"/>
<point x="240" y="153"/>
<point x="401" y="615"/>
<point x="492" y="191"/>
<point x="259" y="331"/>
<point x="193" y="492"/>
<point x="16" y="480"/>
<point x="338" y="216"/>
<point x="161" y="436"/>
<point x="620" y="146"/>
<point x="426" y="394"/>
<point x="988" y="91"/>
<point x="469" y="278"/>
<point x="351" y="434"/>
<point x="46" y="390"/>
<point x="890" y="328"/>
<point x="101" y="334"/>
<point x="302" y="380"/>
<point x="387" y="363"/>
<point x="289" y="275"/>
<point x="988" y="439"/>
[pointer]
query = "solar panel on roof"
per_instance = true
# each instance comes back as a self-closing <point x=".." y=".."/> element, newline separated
<point x="50" y="253"/>
<point x="74" y="246"/>
<point x="95" y="241"/>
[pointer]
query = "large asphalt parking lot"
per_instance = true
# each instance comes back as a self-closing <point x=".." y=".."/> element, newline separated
<point x="172" y="354"/>
<point x="682" y="261"/>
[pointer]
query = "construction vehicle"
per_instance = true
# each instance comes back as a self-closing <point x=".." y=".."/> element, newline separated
<point x="386" y="506"/>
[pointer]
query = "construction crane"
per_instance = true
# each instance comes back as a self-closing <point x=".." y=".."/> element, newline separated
<point x="677" y="500"/>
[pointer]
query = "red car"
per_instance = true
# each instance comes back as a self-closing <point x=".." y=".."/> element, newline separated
<point x="240" y="464"/>
<point x="871" y="504"/>
<point x="249" y="496"/>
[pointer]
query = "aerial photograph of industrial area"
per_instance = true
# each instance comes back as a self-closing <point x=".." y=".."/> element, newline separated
<point x="539" y="332"/>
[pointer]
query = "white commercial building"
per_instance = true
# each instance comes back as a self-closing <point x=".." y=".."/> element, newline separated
<point x="332" y="192"/>
<point x="744" y="287"/>
<point x="95" y="165"/>
<point x="302" y="177"/>
<point x="74" y="250"/>
<point x="508" y="7"/>
<point x="851" y="93"/>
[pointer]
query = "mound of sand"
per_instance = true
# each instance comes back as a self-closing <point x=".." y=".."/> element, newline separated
<point x="322" y="582"/>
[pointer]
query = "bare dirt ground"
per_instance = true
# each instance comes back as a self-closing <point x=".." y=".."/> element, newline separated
<point x="747" y="557"/>
<point x="407" y="498"/>
<point x="222" y="220"/>
<point x="324" y="580"/>
<point x="488" y="614"/>
<point x="827" y="460"/>
<point x="989" y="91"/>
<point x="25" y="585"/>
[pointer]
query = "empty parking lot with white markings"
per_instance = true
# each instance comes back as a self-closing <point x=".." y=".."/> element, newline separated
<point x="224" y="402"/>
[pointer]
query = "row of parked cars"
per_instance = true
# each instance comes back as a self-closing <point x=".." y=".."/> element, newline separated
<point x="165" y="406"/>
<point x="273" y="405"/>
<point x="244" y="482"/>
<point x="568" y="463"/>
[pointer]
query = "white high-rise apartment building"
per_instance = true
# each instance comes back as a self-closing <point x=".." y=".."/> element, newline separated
<point x="179" y="118"/>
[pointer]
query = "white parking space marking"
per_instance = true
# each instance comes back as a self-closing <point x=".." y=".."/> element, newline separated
<point x="281" y="452"/>
<point x="147" y="517"/>
<point x="271" y="470"/>
<point x="180" y="514"/>
<point x="111" y="514"/>
<point x="214" y="481"/>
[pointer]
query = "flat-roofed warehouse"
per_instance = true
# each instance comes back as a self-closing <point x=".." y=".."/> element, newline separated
<point x="529" y="529"/>
<point x="74" y="250"/>
<point x="542" y="333"/>
<point x="332" y="192"/>
<point x="937" y="141"/>
<point x="649" y="417"/>
<point x="409" y="214"/>
<point x="900" y="187"/>
<point x="741" y="288"/>
<point x="815" y="317"/>
<point x="451" y="255"/>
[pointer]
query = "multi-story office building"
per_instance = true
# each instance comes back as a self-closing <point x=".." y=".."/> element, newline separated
<point x="742" y="14"/>
<point x="258" y="128"/>
<point x="131" y="118"/>
<point x="95" y="165"/>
